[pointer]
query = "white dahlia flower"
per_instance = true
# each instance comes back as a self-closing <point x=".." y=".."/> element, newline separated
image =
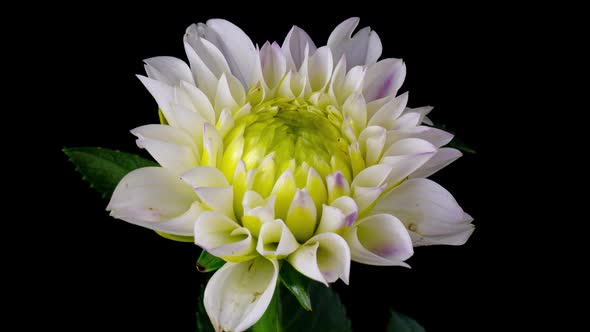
<point x="288" y="152"/>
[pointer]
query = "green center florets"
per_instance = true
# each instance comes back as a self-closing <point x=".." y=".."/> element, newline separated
<point x="295" y="132"/>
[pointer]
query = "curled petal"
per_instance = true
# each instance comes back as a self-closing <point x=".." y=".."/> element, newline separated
<point x="324" y="258"/>
<point x="212" y="146"/>
<point x="386" y="115"/>
<point x="171" y="147"/>
<point x="380" y="240"/>
<point x="441" y="159"/>
<point x="205" y="176"/>
<point x="200" y="102"/>
<point x="153" y="196"/>
<point x="429" y="211"/>
<point x="371" y="143"/>
<point x="257" y="211"/>
<point x="407" y="156"/>
<point x="204" y="77"/>
<point x="239" y="293"/>
<point x="235" y="45"/>
<point x="276" y="240"/>
<point x="364" y="48"/>
<point x="207" y="52"/>
<point x="356" y="108"/>
<point x="191" y="122"/>
<point x="384" y="79"/>
<point x="219" y="199"/>
<point x="435" y="136"/>
<point x="295" y="45"/>
<point x="373" y="176"/>
<point x="337" y="186"/>
<point x="284" y="190"/>
<point x="320" y="69"/>
<point x="223" y="237"/>
<point x="163" y="94"/>
<point x="302" y="214"/>
<point x="274" y="64"/>
<point x="169" y="70"/>
<point x="341" y="213"/>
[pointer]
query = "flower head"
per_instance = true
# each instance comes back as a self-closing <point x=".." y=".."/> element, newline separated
<point x="288" y="152"/>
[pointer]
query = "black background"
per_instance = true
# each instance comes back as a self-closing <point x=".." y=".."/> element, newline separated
<point x="112" y="275"/>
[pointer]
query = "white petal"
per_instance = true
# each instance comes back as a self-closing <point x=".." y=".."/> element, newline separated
<point x="294" y="47"/>
<point x="274" y="64"/>
<point x="428" y="210"/>
<point x="284" y="190"/>
<point x="235" y="45"/>
<point x="302" y="215"/>
<point x="349" y="207"/>
<point x="171" y="147"/>
<point x="343" y="31"/>
<point x="320" y="68"/>
<point x="332" y="220"/>
<point x="276" y="240"/>
<point x="182" y="225"/>
<point x="207" y="52"/>
<point x="342" y="212"/>
<point x="406" y="156"/>
<point x="149" y="195"/>
<point x="433" y="135"/>
<point x="169" y="70"/>
<point x="371" y="143"/>
<point x="459" y="237"/>
<point x="337" y="81"/>
<point x="223" y="237"/>
<point x="365" y="196"/>
<point x="421" y="111"/>
<point x="239" y="293"/>
<point x="219" y="199"/>
<point x="337" y="186"/>
<point x="200" y="102"/>
<point x="324" y="258"/>
<point x="225" y="123"/>
<point x="373" y="176"/>
<point x="441" y="159"/>
<point x="353" y="82"/>
<point x="205" y="176"/>
<point x="163" y="94"/>
<point x="356" y="108"/>
<point x="364" y="48"/>
<point x="380" y="240"/>
<point x="407" y="120"/>
<point x="204" y="77"/>
<point x="192" y="123"/>
<point x="256" y="205"/>
<point x="212" y="146"/>
<point x="384" y="79"/>
<point x="223" y="96"/>
<point x="386" y="115"/>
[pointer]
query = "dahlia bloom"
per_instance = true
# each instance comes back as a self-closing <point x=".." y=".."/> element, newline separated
<point x="288" y="152"/>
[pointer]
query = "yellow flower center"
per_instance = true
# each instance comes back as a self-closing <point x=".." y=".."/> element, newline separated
<point x="295" y="134"/>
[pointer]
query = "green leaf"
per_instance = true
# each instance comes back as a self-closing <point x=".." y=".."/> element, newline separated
<point x="203" y="322"/>
<point x="104" y="168"/>
<point x="285" y="314"/>
<point x="208" y="262"/>
<point x="271" y="320"/>
<point x="456" y="142"/>
<point x="402" y="323"/>
<point x="297" y="283"/>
